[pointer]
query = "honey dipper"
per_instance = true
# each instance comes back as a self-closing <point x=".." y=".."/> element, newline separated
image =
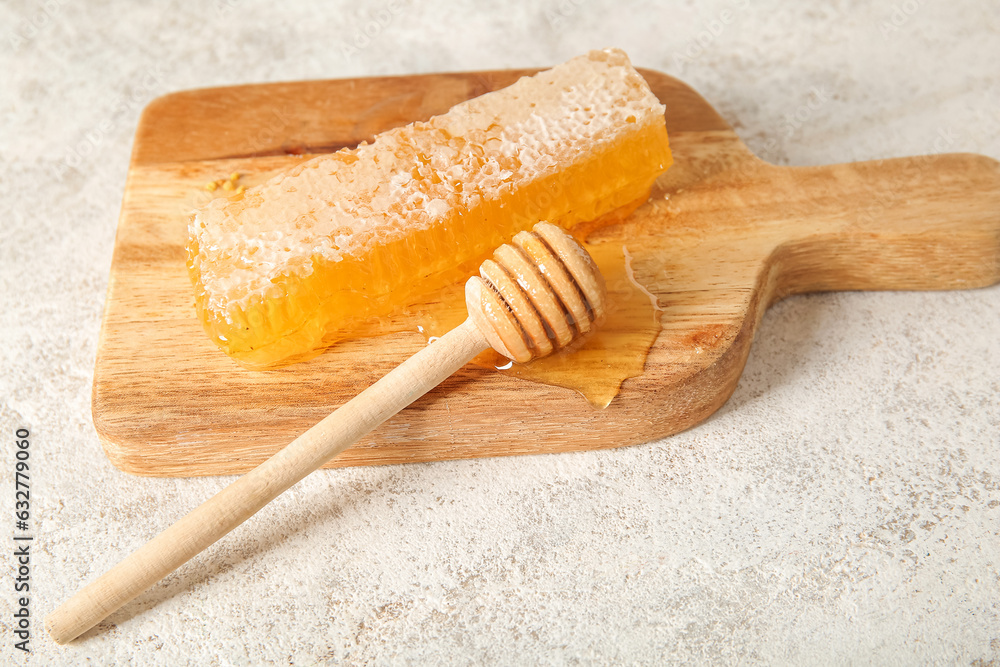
<point x="536" y="295"/>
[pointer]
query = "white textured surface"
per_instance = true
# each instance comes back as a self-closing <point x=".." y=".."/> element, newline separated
<point x="842" y="508"/>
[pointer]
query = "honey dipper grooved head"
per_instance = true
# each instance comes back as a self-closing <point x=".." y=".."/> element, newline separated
<point x="538" y="294"/>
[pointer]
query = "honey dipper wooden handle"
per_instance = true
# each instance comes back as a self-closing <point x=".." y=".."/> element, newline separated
<point x="542" y="281"/>
<point x="240" y="500"/>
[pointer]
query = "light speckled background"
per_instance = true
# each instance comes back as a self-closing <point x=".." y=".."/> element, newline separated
<point x="842" y="508"/>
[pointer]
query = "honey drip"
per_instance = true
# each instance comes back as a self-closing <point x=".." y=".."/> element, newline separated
<point x="604" y="359"/>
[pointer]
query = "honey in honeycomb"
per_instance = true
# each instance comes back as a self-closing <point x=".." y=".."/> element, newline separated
<point x="289" y="266"/>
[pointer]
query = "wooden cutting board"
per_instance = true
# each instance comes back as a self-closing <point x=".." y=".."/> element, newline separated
<point x="723" y="236"/>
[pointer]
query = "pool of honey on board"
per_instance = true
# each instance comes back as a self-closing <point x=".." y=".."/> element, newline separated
<point x="597" y="366"/>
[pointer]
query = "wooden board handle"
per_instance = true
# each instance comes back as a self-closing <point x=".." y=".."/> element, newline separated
<point x="928" y="222"/>
<point x="242" y="499"/>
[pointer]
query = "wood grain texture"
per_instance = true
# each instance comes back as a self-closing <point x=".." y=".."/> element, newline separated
<point x="722" y="237"/>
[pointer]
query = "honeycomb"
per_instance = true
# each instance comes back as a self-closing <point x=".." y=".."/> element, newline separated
<point x="289" y="266"/>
